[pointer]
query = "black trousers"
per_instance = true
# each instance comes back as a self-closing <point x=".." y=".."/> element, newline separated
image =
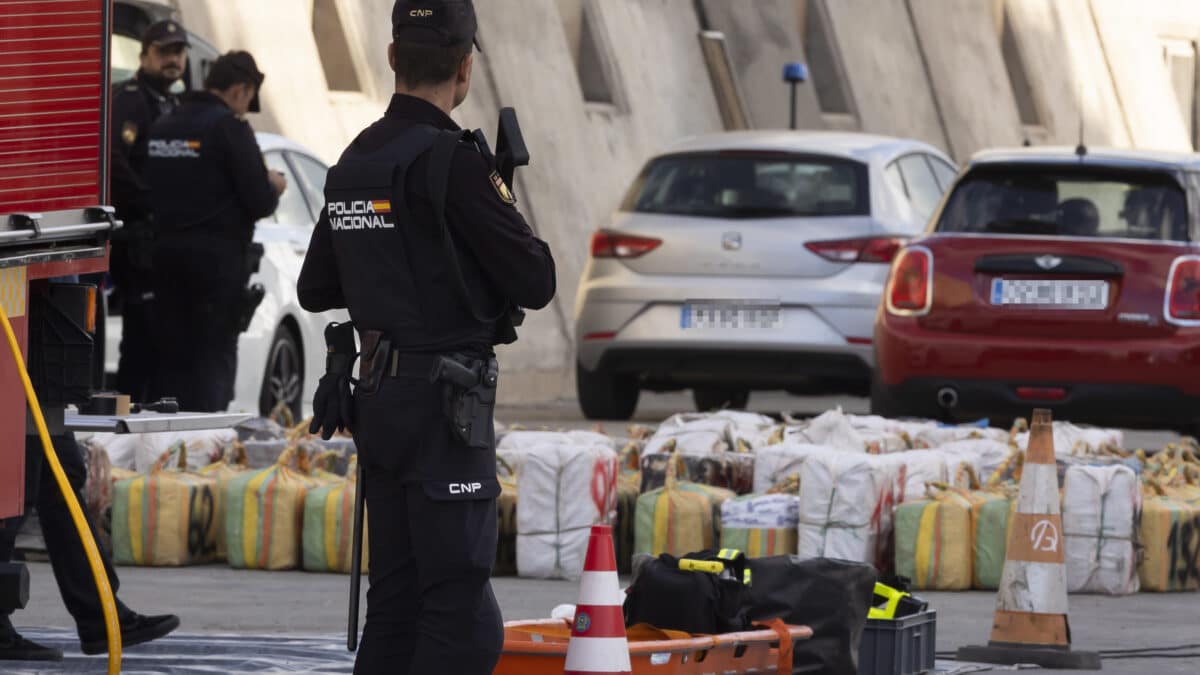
<point x="430" y="606"/>
<point x="67" y="556"/>
<point x="137" y="362"/>
<point x="198" y="284"/>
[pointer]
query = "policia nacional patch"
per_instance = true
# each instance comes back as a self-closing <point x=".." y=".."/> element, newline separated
<point x="129" y="132"/>
<point x="506" y="195"/>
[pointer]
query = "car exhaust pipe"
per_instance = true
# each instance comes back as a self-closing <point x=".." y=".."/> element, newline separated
<point x="947" y="398"/>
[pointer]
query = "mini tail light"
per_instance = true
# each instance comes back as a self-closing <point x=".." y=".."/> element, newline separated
<point x="910" y="286"/>
<point x="869" y="250"/>
<point x="1183" y="292"/>
<point x="606" y="244"/>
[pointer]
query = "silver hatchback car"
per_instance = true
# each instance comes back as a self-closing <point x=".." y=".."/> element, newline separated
<point x="749" y="260"/>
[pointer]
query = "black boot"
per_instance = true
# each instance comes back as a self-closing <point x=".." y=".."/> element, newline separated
<point x="135" y="630"/>
<point x="13" y="647"/>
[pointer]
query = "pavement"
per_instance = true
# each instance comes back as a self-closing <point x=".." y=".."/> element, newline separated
<point x="269" y="606"/>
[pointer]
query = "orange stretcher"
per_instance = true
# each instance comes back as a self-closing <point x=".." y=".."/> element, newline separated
<point x="540" y="648"/>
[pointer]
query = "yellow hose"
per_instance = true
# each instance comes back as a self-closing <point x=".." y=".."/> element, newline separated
<point x="111" y="625"/>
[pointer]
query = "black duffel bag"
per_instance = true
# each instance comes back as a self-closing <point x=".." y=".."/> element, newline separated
<point x="667" y="597"/>
<point x="832" y="597"/>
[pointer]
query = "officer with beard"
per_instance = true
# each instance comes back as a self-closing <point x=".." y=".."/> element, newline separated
<point x="136" y="104"/>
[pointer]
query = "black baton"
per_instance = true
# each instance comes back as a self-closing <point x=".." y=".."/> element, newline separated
<point x="360" y="496"/>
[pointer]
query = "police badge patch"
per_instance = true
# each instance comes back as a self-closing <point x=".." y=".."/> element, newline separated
<point x="129" y="133"/>
<point x="506" y="195"/>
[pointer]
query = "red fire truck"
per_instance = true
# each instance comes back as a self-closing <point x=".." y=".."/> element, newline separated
<point x="54" y="79"/>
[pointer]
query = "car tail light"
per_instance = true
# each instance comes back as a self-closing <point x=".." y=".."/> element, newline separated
<point x="607" y="244"/>
<point x="1183" y="291"/>
<point x="870" y="250"/>
<point x="910" y="286"/>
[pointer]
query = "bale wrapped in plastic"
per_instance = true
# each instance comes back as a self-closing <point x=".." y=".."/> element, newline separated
<point x="775" y="463"/>
<point x="679" y="518"/>
<point x="167" y="517"/>
<point x="990" y="518"/>
<point x="1070" y="439"/>
<point x="1170" y="536"/>
<point x="729" y="470"/>
<point x="846" y="501"/>
<point x="934" y="543"/>
<point x="516" y="444"/>
<point x="1099" y="515"/>
<point x="835" y="429"/>
<point x="624" y="526"/>
<point x="328" y="531"/>
<point x="564" y="489"/>
<point x="761" y="525"/>
<point x="264" y="514"/>
<point x="506" y="543"/>
<point x="233" y="463"/>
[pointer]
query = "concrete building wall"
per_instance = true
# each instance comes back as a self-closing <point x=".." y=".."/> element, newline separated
<point x="759" y="44"/>
<point x="930" y="69"/>
<point x="884" y="69"/>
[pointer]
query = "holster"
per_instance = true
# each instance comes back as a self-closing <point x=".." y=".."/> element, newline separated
<point x="251" y="298"/>
<point x="376" y="351"/>
<point x="470" y="397"/>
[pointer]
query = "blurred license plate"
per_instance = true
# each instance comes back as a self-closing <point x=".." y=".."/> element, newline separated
<point x="1050" y="293"/>
<point x="731" y="314"/>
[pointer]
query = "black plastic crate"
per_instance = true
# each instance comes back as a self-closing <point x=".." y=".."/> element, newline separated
<point x="60" y="349"/>
<point x="899" y="647"/>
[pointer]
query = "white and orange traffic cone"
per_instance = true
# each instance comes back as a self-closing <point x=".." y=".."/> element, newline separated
<point x="1030" y="624"/>
<point x="598" y="642"/>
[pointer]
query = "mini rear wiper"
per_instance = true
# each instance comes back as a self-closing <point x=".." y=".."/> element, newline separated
<point x="1021" y="226"/>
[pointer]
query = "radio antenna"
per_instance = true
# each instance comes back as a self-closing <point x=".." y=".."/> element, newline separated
<point x="1081" y="149"/>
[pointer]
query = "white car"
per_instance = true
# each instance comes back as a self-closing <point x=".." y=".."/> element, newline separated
<point x="749" y="260"/>
<point x="282" y="356"/>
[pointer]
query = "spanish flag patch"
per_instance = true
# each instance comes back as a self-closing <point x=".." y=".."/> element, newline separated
<point x="382" y="206"/>
<point x="506" y="195"/>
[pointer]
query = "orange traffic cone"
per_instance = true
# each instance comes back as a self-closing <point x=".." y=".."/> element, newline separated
<point x="598" y="643"/>
<point x="1031" y="607"/>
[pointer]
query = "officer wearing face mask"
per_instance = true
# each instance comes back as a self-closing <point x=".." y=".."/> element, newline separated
<point x="136" y="104"/>
<point x="209" y="186"/>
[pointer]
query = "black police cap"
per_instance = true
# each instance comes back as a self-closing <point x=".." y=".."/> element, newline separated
<point x="164" y="33"/>
<point x="232" y="68"/>
<point x="437" y="23"/>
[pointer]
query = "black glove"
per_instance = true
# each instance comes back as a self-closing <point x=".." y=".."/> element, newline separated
<point x="333" y="403"/>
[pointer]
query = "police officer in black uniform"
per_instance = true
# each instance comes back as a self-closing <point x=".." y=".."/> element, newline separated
<point x="136" y="104"/>
<point x="422" y="242"/>
<point x="209" y="186"/>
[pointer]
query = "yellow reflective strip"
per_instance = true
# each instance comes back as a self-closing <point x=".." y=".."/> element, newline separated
<point x="925" y="543"/>
<point x="137" y="528"/>
<point x="333" y="500"/>
<point x="13" y="291"/>
<point x="250" y="525"/>
<point x="662" y="524"/>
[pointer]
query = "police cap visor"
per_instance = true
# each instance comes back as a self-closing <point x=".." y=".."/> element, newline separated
<point x="436" y="23"/>
<point x="236" y="68"/>
<point x="165" y="33"/>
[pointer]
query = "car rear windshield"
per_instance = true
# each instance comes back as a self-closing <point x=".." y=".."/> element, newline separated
<point x="1068" y="202"/>
<point x="751" y="185"/>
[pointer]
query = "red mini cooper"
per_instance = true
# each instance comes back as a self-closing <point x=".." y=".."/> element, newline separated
<point x="1058" y="279"/>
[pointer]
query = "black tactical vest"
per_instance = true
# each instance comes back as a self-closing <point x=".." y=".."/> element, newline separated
<point x="394" y="267"/>
<point x="192" y="191"/>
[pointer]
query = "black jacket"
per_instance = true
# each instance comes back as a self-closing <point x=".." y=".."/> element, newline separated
<point x="136" y="104"/>
<point x="501" y="259"/>
<point x="206" y="172"/>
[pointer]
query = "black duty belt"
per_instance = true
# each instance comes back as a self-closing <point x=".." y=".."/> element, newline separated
<point x="411" y="365"/>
